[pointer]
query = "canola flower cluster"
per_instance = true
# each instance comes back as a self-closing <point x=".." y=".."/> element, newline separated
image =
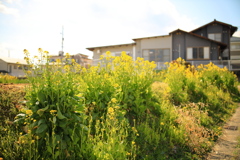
<point x="6" y="77"/>
<point x="109" y="97"/>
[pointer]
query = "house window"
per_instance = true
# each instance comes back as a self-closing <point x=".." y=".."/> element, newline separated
<point x="198" y="53"/>
<point x="157" y="55"/>
<point x="14" y="66"/>
<point x="119" y="53"/>
<point x="52" y="60"/>
<point x="25" y="67"/>
<point x="215" y="36"/>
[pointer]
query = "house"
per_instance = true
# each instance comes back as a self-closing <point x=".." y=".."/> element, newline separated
<point x="12" y="66"/>
<point x="235" y="52"/>
<point x="79" y="58"/>
<point x="235" y="48"/>
<point x="210" y="42"/>
<point x="115" y="51"/>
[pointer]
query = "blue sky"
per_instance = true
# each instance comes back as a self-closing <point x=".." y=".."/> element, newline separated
<point x="30" y="24"/>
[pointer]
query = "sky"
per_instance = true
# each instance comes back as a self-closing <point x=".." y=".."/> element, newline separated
<point x="33" y="24"/>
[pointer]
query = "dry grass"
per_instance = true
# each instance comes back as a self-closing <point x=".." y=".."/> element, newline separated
<point x="196" y="134"/>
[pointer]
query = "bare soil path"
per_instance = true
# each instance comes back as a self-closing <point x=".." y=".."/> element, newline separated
<point x="225" y="148"/>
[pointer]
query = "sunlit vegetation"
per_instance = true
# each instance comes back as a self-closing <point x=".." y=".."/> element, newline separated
<point x="120" y="109"/>
<point x="6" y="78"/>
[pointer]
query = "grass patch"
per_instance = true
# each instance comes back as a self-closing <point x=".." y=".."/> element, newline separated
<point x="7" y="79"/>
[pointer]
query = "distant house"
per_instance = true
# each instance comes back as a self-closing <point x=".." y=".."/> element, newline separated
<point x="115" y="51"/>
<point x="81" y="59"/>
<point x="13" y="66"/>
<point x="235" y="48"/>
<point x="210" y="42"/>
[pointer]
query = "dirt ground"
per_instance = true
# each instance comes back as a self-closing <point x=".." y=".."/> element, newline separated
<point x="225" y="148"/>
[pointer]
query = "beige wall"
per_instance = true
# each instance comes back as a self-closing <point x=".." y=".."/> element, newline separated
<point x="97" y="52"/>
<point x="3" y="65"/>
<point x="16" y="70"/>
<point x="163" y="42"/>
<point x="235" y="51"/>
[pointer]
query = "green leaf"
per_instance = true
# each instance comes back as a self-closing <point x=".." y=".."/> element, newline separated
<point x="41" y="128"/>
<point x="41" y="96"/>
<point x="33" y="124"/>
<point x="62" y="123"/>
<point x="49" y="149"/>
<point x="54" y="120"/>
<point x="56" y="154"/>
<point x="41" y="121"/>
<point x="42" y="110"/>
<point x="45" y="108"/>
<point x="84" y="127"/>
<point x="60" y="115"/>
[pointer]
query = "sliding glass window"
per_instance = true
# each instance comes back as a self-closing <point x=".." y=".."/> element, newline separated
<point x="157" y="55"/>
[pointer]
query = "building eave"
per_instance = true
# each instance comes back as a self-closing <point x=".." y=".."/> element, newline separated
<point x="14" y="60"/>
<point x="196" y="35"/>
<point x="117" y="45"/>
<point x="233" y="28"/>
<point x="150" y="37"/>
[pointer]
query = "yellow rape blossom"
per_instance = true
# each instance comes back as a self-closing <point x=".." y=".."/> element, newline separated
<point x="115" y="85"/>
<point x="67" y="55"/>
<point x="108" y="53"/>
<point x="53" y="112"/>
<point x="58" y="60"/>
<point x="46" y="52"/>
<point x="110" y="110"/>
<point x="29" y="112"/>
<point x="114" y="100"/>
<point x="79" y="95"/>
<point x="134" y="129"/>
<point x="40" y="50"/>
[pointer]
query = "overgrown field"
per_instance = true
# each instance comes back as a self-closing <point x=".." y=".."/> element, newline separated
<point x="120" y="110"/>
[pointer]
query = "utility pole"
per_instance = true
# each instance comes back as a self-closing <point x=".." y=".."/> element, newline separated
<point x="61" y="52"/>
<point x="62" y="39"/>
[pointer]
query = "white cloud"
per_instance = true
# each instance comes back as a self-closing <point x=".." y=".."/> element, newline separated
<point x="7" y="10"/>
<point x="93" y="23"/>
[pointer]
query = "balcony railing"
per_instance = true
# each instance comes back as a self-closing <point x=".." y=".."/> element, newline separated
<point x="232" y="65"/>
